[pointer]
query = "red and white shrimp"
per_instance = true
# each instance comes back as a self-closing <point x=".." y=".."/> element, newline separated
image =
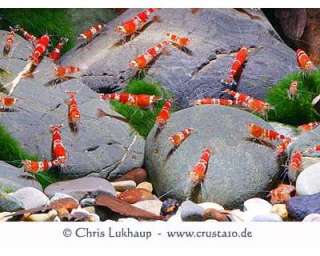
<point x="293" y="90"/>
<point x="179" y="137"/>
<point x="73" y="111"/>
<point x="59" y="152"/>
<point x="40" y="49"/>
<point x="142" y="61"/>
<point x="258" y="132"/>
<point x="7" y="101"/>
<point x="9" y="42"/>
<point x="136" y="23"/>
<point x="37" y="166"/>
<point x="308" y="127"/>
<point x="304" y="61"/>
<point x="55" y="54"/>
<point x="63" y="71"/>
<point x="283" y="146"/>
<point x="199" y="170"/>
<point x="164" y="114"/>
<point x="181" y="42"/>
<point x="295" y="165"/>
<point x="281" y="194"/>
<point x="139" y="100"/>
<point x="89" y="34"/>
<point x="313" y="150"/>
<point x="29" y="37"/>
<point x="236" y="67"/>
<point x="213" y="101"/>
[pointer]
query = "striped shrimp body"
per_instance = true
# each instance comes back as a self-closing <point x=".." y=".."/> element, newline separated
<point x="164" y="114"/>
<point x="136" y="23"/>
<point x="73" y="111"/>
<point x="199" y="170"/>
<point x="89" y="34"/>
<point x="7" y="101"/>
<point x="308" y="127"/>
<point x="63" y="71"/>
<point x="295" y="165"/>
<point x="9" y="43"/>
<point x="58" y="150"/>
<point x="181" y="42"/>
<point x="236" y="67"/>
<point x="139" y="100"/>
<point x="213" y="101"/>
<point x="283" y="146"/>
<point x="55" y="54"/>
<point x="37" y="166"/>
<point x="304" y="61"/>
<point x="293" y="90"/>
<point x="179" y="137"/>
<point x="40" y="49"/>
<point x="29" y="37"/>
<point x="258" y="132"/>
<point x="313" y="151"/>
<point x="142" y="61"/>
<point x="240" y="97"/>
<point x="281" y="194"/>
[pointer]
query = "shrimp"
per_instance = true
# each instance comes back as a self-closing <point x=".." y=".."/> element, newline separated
<point x="179" y="137"/>
<point x="7" y="101"/>
<point x="199" y="170"/>
<point x="73" y="112"/>
<point x="63" y="71"/>
<point x="181" y="42"/>
<point x="258" y="132"/>
<point x="29" y="37"/>
<point x="293" y="90"/>
<point x="308" y="127"/>
<point x="295" y="165"/>
<point x="89" y="34"/>
<point x="55" y="54"/>
<point x="59" y="152"/>
<point x="281" y="194"/>
<point x="304" y="61"/>
<point x="40" y="49"/>
<point x="208" y="101"/>
<point x="9" y="42"/>
<point x="37" y="166"/>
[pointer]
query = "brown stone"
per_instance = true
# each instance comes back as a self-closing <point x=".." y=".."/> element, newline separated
<point x="138" y="175"/>
<point x="134" y="195"/>
<point x="213" y="214"/>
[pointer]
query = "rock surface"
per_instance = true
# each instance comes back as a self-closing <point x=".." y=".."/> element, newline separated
<point x="8" y="203"/>
<point x="308" y="181"/>
<point x="12" y="178"/>
<point x="215" y="34"/>
<point x="301" y="206"/>
<point x="79" y="187"/>
<point x="30" y="197"/>
<point x="103" y="147"/>
<point x="190" y="211"/>
<point x="238" y="169"/>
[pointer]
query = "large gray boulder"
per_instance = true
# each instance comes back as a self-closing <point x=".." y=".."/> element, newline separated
<point x="238" y="169"/>
<point x="216" y="34"/>
<point x="103" y="147"/>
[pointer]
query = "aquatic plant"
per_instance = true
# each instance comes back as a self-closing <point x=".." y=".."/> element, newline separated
<point x="12" y="153"/>
<point x="298" y="110"/>
<point x="142" y="120"/>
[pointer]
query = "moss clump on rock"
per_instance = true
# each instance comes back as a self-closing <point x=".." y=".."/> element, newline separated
<point x="142" y="120"/>
<point x="298" y="110"/>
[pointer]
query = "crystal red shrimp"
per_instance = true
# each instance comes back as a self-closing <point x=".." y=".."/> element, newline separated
<point x="29" y="37"/>
<point x="139" y="100"/>
<point x="164" y="114"/>
<point x="89" y="34"/>
<point x="7" y="101"/>
<point x="304" y="61"/>
<point x="73" y="111"/>
<point x="314" y="149"/>
<point x="293" y="90"/>
<point x="142" y="61"/>
<point x="58" y="150"/>
<point x="281" y="194"/>
<point x="308" y="127"/>
<point x="236" y="66"/>
<point x="40" y="49"/>
<point x="131" y="26"/>
<point x="258" y="132"/>
<point x="199" y="170"/>
<point x="295" y="165"/>
<point x="179" y="137"/>
<point x="55" y="54"/>
<point x="37" y="166"/>
<point x="62" y="71"/>
<point x="9" y="43"/>
<point x="181" y="42"/>
<point x="209" y="101"/>
<point x="282" y="147"/>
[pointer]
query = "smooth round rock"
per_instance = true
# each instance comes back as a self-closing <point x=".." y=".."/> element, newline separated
<point x="153" y="206"/>
<point x="257" y="206"/>
<point x="123" y="185"/>
<point x="301" y="206"/>
<point x="308" y="181"/>
<point x="271" y="217"/>
<point x="238" y="169"/>
<point x="30" y="197"/>
<point x="169" y="207"/>
<point x="4" y="216"/>
<point x="237" y="215"/>
<point x="9" y="203"/>
<point x="58" y="196"/>
<point x="281" y="210"/>
<point x="146" y="185"/>
<point x="78" y="188"/>
<point x="313" y="217"/>
<point x="191" y="211"/>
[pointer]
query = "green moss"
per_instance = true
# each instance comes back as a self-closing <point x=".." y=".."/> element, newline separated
<point x="298" y="110"/>
<point x="142" y="120"/>
<point x="12" y="153"/>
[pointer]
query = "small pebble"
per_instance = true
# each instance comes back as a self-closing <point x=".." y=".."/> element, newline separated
<point x="60" y="196"/>
<point x="87" y="202"/>
<point x="213" y="214"/>
<point x="270" y="217"/>
<point x="313" y="217"/>
<point x="153" y="206"/>
<point x="9" y="203"/>
<point x="301" y="206"/>
<point x="169" y="207"/>
<point x="237" y="215"/>
<point x="123" y="185"/>
<point x="138" y="175"/>
<point x="146" y="185"/>
<point x="191" y="211"/>
<point x="30" y="197"/>
<point x="39" y="217"/>
<point x="281" y="210"/>
<point x="257" y="206"/>
<point x="132" y="196"/>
